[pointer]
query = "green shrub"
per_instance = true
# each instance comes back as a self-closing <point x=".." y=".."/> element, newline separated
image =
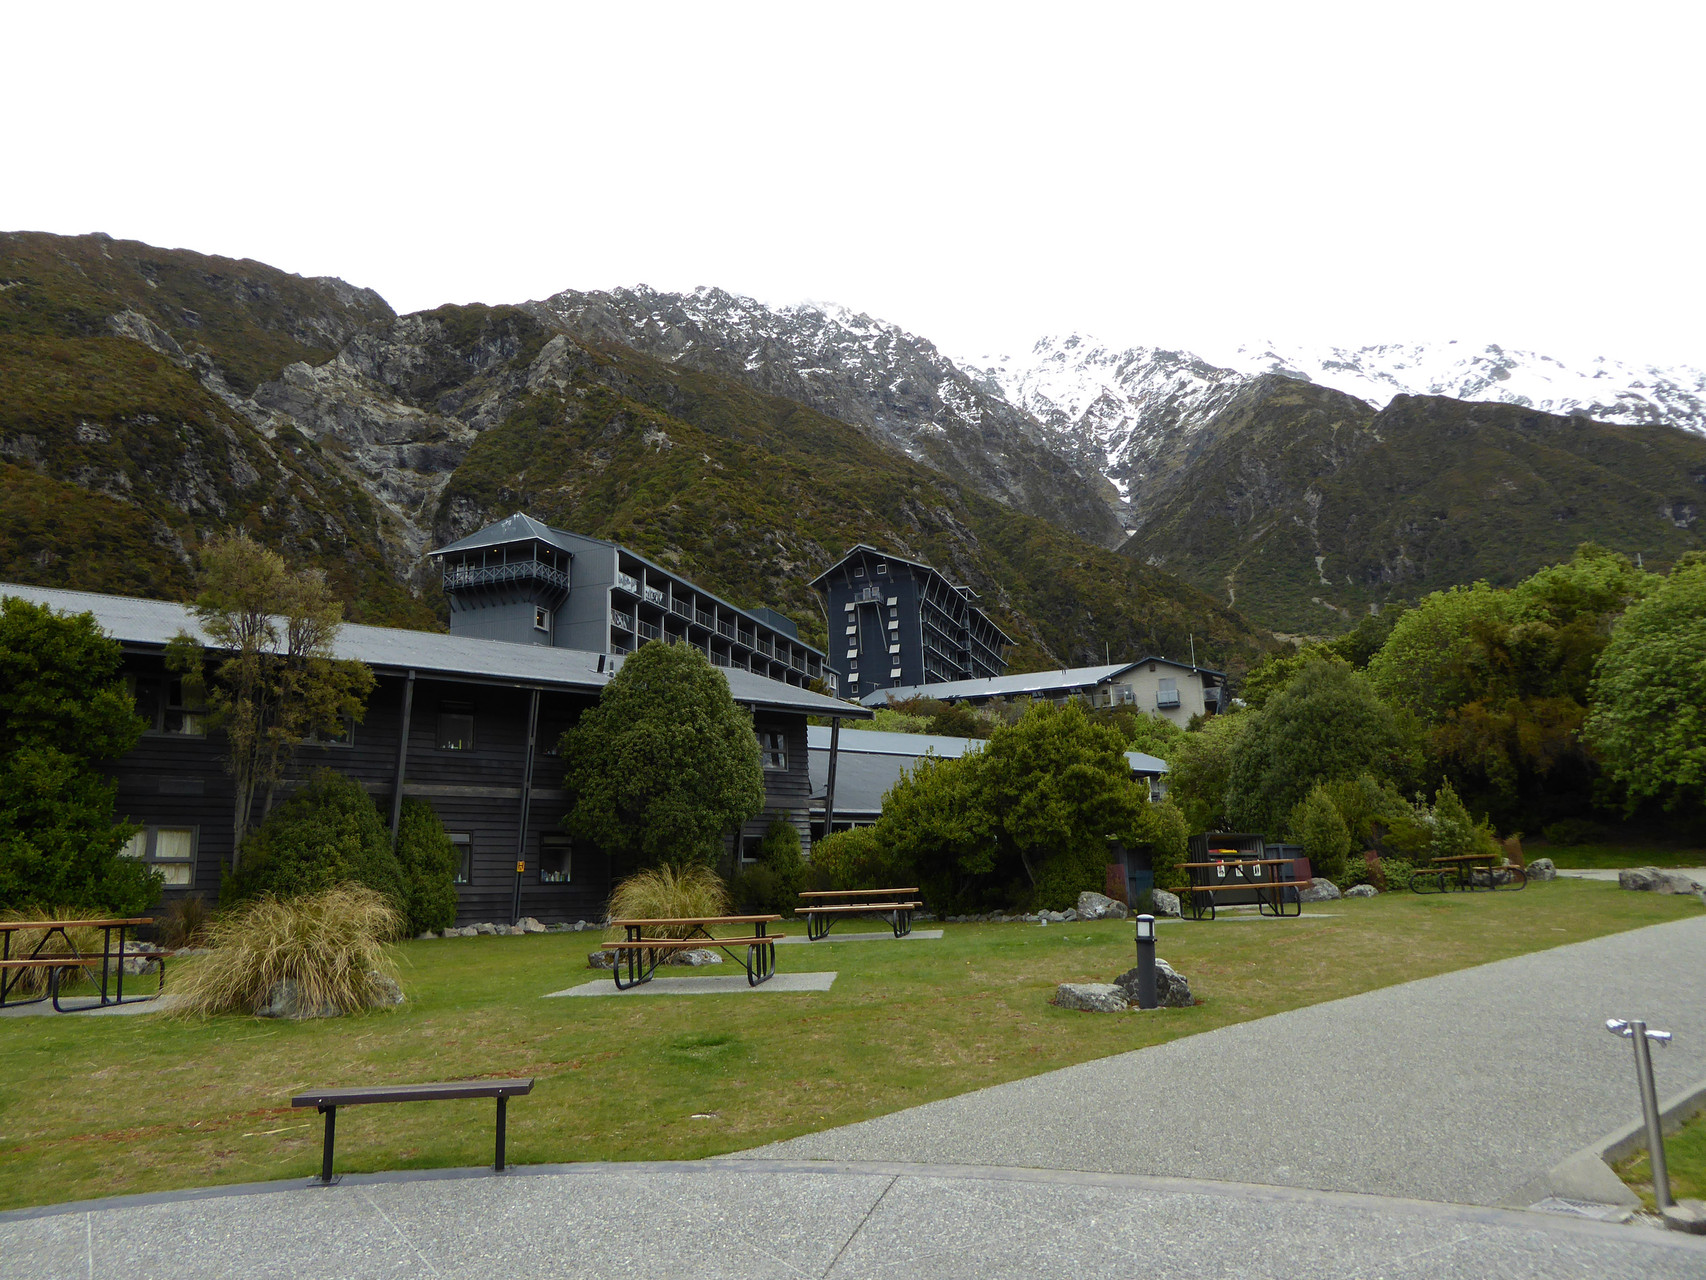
<point x="327" y="834"/>
<point x="668" y="893"/>
<point x="427" y="862"/>
<point x="331" y="944"/>
<point x="854" y="859"/>
<point x="1066" y="875"/>
<point x="1571" y="831"/>
<point x="774" y="883"/>
<point x="1321" y="830"/>
<point x="1164" y="829"/>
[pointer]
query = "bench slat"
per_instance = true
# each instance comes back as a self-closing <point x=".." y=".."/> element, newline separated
<point x="16" y="926"/>
<point x="851" y="893"/>
<point x="623" y="924"/>
<point x="413" y="1092"/>
<point x="688" y="944"/>
<point x="863" y="907"/>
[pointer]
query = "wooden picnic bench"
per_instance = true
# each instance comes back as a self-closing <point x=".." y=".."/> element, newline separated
<point x="1462" y="870"/>
<point x="1248" y="879"/>
<point x="642" y="955"/>
<point x="820" y="914"/>
<point x="329" y="1100"/>
<point x="13" y="968"/>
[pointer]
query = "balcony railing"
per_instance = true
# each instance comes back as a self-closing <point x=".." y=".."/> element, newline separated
<point x="704" y="618"/>
<point x="746" y="638"/>
<point x="724" y="628"/>
<point x="654" y="595"/>
<point x="1166" y="699"/>
<point x="682" y="608"/>
<point x="648" y="631"/>
<point x="628" y="582"/>
<point x="465" y="574"/>
<point x="868" y="595"/>
<point x="766" y="648"/>
<point x="621" y="620"/>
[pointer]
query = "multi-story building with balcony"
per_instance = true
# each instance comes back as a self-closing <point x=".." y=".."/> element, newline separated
<point x="895" y="622"/>
<point x="521" y="580"/>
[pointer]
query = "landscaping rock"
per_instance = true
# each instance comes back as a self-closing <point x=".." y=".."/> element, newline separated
<point x="601" y="960"/>
<point x="1542" y="869"/>
<point x="1098" y="906"/>
<point x="1360" y="891"/>
<point x="1172" y="988"/>
<point x="1654" y="880"/>
<point x="285" y="1000"/>
<point x="1319" y="890"/>
<point x="387" y="993"/>
<point x="1067" y="916"/>
<point x="530" y="925"/>
<point x="1091" y="997"/>
<point x="696" y="958"/>
<point x="581" y="926"/>
<point x="428" y="936"/>
<point x="1163" y="903"/>
<point x="484" y="928"/>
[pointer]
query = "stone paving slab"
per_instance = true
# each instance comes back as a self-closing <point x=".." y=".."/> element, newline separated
<point x="1464" y="1087"/>
<point x="158" y="1005"/>
<point x="730" y="1218"/>
<point x="721" y="985"/>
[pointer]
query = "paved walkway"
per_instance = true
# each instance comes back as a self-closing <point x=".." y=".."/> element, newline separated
<point x="1457" y="1089"/>
<point x="1697" y="874"/>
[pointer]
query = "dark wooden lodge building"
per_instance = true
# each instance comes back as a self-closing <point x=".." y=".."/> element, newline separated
<point x="467" y="722"/>
<point x="895" y="622"/>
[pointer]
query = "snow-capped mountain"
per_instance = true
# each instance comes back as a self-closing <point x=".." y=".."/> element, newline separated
<point x="894" y="385"/>
<point x="1137" y="413"/>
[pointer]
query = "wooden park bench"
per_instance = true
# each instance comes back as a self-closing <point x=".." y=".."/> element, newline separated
<point x="820" y="914"/>
<point x="14" y="967"/>
<point x="329" y="1100"/>
<point x="640" y="955"/>
<point x="1466" y="872"/>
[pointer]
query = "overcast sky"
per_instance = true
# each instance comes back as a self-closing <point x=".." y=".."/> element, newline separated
<point x="1181" y="174"/>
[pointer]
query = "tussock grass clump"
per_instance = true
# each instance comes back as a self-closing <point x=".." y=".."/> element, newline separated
<point x="668" y="893"/>
<point x="34" y="982"/>
<point x="331" y="945"/>
<point x="185" y="924"/>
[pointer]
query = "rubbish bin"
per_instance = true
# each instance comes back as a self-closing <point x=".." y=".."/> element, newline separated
<point x="1223" y="861"/>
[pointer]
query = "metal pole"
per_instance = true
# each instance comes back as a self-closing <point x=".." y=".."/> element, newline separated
<point x="402" y="759"/>
<point x="526" y="804"/>
<point x="326" y="1153"/>
<point x="829" y="793"/>
<point x="1146" y="962"/>
<point x="1650" y="1111"/>
<point x="502" y="1106"/>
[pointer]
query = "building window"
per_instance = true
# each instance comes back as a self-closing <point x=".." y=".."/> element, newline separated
<point x="463" y="843"/>
<point x="882" y="568"/>
<point x="894" y="673"/>
<point x="848" y="607"/>
<point x="554" y="851"/>
<point x="893" y="600"/>
<point x="774" y="745"/>
<point x="550" y="739"/>
<point x="455" y="726"/>
<point x="751" y="848"/>
<point x="893" y="625"/>
<point x="893" y="612"/>
<point x="541" y="619"/>
<point x="858" y="571"/>
<point x="853" y="629"/>
<point x="894" y="648"/>
<point x="164" y="708"/>
<point x="340" y="735"/>
<point x="169" y="850"/>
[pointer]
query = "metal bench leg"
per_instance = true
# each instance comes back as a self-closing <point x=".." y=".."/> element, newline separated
<point x="502" y="1101"/>
<point x="331" y="1114"/>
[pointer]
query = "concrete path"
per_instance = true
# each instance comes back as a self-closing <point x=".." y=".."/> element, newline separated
<point x="1461" y="1088"/>
<point x="774" y="1219"/>
<point x="1697" y="874"/>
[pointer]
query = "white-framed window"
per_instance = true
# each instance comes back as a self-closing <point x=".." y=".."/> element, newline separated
<point x="893" y="600"/>
<point x="750" y="848"/>
<point x="882" y="568"/>
<point x="463" y="843"/>
<point x="852" y="653"/>
<point x="169" y="850"/>
<point x="853" y="629"/>
<point x="773" y="744"/>
<point x="343" y="735"/>
<point x="555" y="857"/>
<point x="163" y="706"/>
<point x="541" y="619"/>
<point x="893" y="625"/>
<point x="858" y="571"/>
<point x="848" y="607"/>
<point x="894" y="673"/>
<point x="894" y="648"/>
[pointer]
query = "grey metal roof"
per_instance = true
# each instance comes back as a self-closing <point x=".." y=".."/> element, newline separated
<point x="876" y="742"/>
<point x="1060" y="681"/>
<point x="517" y="528"/>
<point x="153" y="623"/>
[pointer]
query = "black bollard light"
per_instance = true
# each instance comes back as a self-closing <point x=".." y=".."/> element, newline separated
<point x="1146" y="962"/>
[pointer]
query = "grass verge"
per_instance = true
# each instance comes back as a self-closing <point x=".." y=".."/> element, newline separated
<point x="1614" y="857"/>
<point x="107" y="1106"/>
<point x="1685" y="1159"/>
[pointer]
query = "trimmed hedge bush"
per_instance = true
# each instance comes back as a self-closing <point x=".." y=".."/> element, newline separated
<point x="328" y="833"/>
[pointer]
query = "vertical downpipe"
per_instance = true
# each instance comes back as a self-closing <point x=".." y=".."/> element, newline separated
<point x="402" y="760"/>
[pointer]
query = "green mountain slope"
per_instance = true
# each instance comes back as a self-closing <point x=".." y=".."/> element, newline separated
<point x="1308" y="507"/>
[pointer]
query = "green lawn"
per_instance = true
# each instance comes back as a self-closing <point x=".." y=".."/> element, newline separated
<point x="103" y="1106"/>
<point x="1614" y="857"/>
<point x="1685" y="1158"/>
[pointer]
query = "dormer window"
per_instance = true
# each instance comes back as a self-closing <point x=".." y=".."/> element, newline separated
<point x="858" y="571"/>
<point x="542" y="619"/>
<point x="882" y="568"/>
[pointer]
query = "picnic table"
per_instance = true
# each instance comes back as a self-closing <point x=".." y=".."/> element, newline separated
<point x="1249" y="880"/>
<point x="1464" y="870"/>
<point x="642" y="955"/>
<point x="13" y="968"/>
<point x="822" y="908"/>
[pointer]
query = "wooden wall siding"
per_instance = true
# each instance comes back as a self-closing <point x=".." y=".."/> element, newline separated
<point x="176" y="780"/>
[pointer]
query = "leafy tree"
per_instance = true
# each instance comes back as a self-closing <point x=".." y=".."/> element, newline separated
<point x="855" y="859"/>
<point x="1369" y="806"/>
<point x="274" y="681"/>
<point x="1270" y="677"/>
<point x="933" y="829"/>
<point x="889" y="720"/>
<point x="327" y="833"/>
<point x="666" y="763"/>
<point x="1327" y="724"/>
<point x="427" y="862"/>
<point x="1200" y="770"/>
<point x="1648" y="718"/>
<point x="774" y="883"/>
<point x="1326" y="840"/>
<point x="65" y="709"/>
<point x="1163" y="828"/>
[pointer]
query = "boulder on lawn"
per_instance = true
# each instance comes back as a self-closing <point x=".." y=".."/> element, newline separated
<point x="1655" y="880"/>
<point x="1172" y="988"/>
<point x="285" y="999"/>
<point x="530" y="925"/>
<point x="1098" y="906"/>
<point x="1542" y="869"/>
<point x="1164" y="903"/>
<point x="601" y="960"/>
<point x="1092" y="997"/>
<point x="697" y="957"/>
<point x="1319" y="890"/>
<point x="1359" y="891"/>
